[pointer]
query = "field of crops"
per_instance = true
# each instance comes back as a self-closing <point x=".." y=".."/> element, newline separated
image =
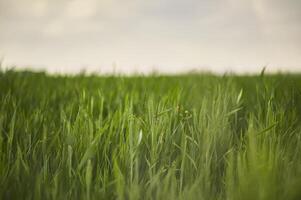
<point x="193" y="136"/>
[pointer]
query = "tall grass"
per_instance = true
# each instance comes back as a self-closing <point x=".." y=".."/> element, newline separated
<point x="196" y="136"/>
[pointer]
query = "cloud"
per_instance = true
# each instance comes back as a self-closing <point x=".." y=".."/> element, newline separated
<point x="81" y="9"/>
<point x="162" y="32"/>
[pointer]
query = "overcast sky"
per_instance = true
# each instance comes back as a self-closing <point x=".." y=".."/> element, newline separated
<point x="146" y="35"/>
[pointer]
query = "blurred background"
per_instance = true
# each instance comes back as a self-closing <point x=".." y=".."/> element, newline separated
<point x="168" y="36"/>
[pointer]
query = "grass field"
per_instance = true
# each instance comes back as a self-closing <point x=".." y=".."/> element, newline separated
<point x="193" y="136"/>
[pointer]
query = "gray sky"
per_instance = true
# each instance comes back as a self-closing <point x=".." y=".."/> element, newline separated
<point x="146" y="35"/>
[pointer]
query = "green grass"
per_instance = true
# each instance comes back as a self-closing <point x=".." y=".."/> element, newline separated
<point x="194" y="136"/>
